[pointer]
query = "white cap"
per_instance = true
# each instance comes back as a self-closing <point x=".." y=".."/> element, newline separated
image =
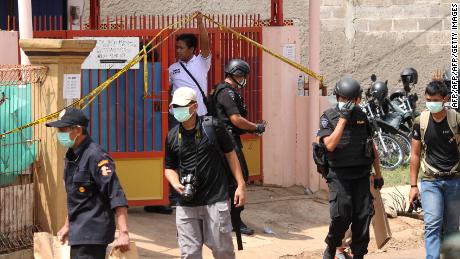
<point x="183" y="96"/>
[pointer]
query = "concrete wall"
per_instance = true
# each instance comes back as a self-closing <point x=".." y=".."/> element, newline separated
<point x="359" y="37"/>
<point x="280" y="152"/>
<point x="362" y="37"/>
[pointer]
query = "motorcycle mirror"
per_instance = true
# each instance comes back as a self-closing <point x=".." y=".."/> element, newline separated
<point x="373" y="78"/>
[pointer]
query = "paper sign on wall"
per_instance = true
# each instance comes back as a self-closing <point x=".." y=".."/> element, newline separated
<point x="111" y="52"/>
<point x="289" y="51"/>
<point x="72" y="86"/>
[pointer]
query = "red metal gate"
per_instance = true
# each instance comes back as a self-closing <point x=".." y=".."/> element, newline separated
<point x="149" y="144"/>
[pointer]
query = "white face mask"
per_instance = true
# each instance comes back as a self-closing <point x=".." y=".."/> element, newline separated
<point x="341" y="104"/>
<point x="242" y="83"/>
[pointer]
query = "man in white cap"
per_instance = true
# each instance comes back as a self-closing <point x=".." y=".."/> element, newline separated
<point x="200" y="169"/>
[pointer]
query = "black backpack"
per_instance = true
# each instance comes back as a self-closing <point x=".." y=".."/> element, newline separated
<point x="319" y="149"/>
<point x="212" y="99"/>
<point x="208" y="126"/>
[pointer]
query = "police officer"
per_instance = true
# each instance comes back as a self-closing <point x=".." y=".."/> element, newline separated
<point x="229" y="107"/>
<point x="347" y="136"/>
<point x="94" y="194"/>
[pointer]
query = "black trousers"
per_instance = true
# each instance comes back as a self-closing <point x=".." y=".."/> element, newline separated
<point x="88" y="251"/>
<point x="350" y="202"/>
<point x="235" y="212"/>
<point x="240" y="155"/>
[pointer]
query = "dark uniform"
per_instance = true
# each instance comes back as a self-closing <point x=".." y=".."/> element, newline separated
<point x="350" y="199"/>
<point x="93" y="193"/>
<point x="230" y="102"/>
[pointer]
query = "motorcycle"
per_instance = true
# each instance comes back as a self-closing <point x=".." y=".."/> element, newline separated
<point x="391" y="153"/>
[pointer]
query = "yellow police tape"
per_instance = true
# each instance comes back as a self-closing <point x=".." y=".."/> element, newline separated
<point x="142" y="55"/>
<point x="260" y="46"/>
<point x="98" y="90"/>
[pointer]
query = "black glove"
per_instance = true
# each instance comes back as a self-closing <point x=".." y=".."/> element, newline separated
<point x="346" y="111"/>
<point x="260" y="128"/>
<point x="378" y="183"/>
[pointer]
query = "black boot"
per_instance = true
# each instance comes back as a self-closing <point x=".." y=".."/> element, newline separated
<point x="329" y="253"/>
<point x="246" y="230"/>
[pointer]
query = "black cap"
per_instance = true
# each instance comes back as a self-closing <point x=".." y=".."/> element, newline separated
<point x="348" y="87"/>
<point x="70" y="117"/>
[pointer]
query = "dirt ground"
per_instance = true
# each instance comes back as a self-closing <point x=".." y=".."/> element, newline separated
<point x="297" y="225"/>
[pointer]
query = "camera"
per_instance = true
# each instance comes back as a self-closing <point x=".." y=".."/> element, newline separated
<point x="188" y="182"/>
<point x="415" y="206"/>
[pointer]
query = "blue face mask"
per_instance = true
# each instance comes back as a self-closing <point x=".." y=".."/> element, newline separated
<point x="434" y="107"/>
<point x="181" y="114"/>
<point x="65" y="140"/>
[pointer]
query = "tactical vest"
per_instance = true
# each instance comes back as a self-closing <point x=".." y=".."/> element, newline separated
<point x="351" y="150"/>
<point x="219" y="110"/>
<point x="453" y="120"/>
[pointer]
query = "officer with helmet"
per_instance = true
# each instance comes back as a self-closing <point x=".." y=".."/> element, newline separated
<point x="409" y="78"/>
<point x="346" y="135"/>
<point x="229" y="107"/>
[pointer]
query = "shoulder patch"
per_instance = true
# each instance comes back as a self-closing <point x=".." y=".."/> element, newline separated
<point x="103" y="162"/>
<point x="324" y="122"/>
<point x="232" y="94"/>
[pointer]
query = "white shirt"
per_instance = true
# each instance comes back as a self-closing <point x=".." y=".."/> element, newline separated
<point x="198" y="66"/>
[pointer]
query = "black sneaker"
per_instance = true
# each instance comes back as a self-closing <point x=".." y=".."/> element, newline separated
<point x="159" y="209"/>
<point x="246" y="230"/>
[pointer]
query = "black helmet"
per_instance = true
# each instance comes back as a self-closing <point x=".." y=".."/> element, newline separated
<point x="379" y="90"/>
<point x="409" y="76"/>
<point x="348" y="87"/>
<point x="447" y="76"/>
<point x="237" y="67"/>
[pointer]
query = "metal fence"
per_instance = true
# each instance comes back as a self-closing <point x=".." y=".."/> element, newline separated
<point x="18" y="153"/>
